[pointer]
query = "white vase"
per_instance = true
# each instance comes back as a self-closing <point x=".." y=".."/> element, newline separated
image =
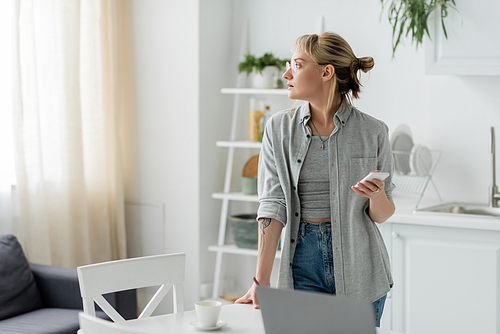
<point x="264" y="80"/>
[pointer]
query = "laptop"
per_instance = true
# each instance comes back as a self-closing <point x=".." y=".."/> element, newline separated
<point x="304" y="312"/>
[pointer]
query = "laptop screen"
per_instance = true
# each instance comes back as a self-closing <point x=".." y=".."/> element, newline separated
<point x="304" y="312"/>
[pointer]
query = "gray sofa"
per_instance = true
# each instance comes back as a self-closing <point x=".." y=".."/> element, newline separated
<point x="44" y="299"/>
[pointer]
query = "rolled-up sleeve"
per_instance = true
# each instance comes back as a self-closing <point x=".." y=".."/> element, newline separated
<point x="386" y="162"/>
<point x="271" y="196"/>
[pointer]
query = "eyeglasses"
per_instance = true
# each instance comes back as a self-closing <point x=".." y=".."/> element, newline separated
<point x="295" y="67"/>
<point x="288" y="66"/>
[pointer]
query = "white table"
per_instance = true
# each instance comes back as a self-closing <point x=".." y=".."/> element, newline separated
<point x="241" y="319"/>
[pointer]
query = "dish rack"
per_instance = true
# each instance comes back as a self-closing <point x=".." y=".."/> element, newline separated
<point x="406" y="178"/>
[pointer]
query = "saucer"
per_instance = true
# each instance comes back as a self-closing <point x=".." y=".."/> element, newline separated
<point x="220" y="324"/>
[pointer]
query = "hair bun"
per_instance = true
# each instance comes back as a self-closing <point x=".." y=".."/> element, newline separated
<point x="365" y="63"/>
<point x="355" y="65"/>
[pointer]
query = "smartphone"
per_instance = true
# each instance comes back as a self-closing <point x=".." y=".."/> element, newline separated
<point x="374" y="175"/>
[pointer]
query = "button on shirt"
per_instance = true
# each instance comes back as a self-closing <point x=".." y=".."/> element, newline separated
<point x="358" y="145"/>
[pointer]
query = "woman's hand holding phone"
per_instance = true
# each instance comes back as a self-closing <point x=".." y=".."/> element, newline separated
<point x="371" y="185"/>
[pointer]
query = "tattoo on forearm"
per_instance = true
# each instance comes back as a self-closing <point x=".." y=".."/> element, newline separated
<point x="263" y="224"/>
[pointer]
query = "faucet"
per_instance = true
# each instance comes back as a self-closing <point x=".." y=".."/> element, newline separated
<point x="494" y="195"/>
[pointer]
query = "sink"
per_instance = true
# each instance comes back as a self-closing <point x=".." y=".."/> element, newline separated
<point x="482" y="210"/>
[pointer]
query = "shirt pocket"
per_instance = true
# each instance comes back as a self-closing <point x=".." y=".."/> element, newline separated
<point x="360" y="167"/>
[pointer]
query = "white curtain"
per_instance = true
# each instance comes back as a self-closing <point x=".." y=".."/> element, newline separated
<point x="67" y="101"/>
<point x="7" y="174"/>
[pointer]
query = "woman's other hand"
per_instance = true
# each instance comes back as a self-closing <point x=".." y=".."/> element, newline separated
<point x="250" y="297"/>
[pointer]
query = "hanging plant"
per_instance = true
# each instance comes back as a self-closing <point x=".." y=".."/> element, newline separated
<point x="410" y="16"/>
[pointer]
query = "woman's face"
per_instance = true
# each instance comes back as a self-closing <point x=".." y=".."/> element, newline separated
<point x="304" y="77"/>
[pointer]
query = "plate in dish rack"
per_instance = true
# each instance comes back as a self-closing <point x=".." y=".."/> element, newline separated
<point x="403" y="145"/>
<point x="421" y="160"/>
<point x="400" y="129"/>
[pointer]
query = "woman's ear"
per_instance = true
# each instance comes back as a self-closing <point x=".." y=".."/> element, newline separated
<point x="328" y="72"/>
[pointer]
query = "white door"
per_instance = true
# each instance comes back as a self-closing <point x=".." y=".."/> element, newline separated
<point x="446" y="280"/>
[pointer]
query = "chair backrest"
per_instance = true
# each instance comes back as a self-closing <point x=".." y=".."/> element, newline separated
<point x="90" y="324"/>
<point x="166" y="271"/>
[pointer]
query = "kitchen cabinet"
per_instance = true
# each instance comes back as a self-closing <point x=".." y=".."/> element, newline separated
<point x="447" y="279"/>
<point x="386" y="231"/>
<point x="473" y="44"/>
<point x="226" y="195"/>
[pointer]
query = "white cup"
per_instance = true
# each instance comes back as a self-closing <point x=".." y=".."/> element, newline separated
<point x="207" y="312"/>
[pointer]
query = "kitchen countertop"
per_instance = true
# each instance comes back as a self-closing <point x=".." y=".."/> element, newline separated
<point x="404" y="215"/>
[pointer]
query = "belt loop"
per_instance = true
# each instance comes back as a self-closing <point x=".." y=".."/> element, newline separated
<point x="302" y="228"/>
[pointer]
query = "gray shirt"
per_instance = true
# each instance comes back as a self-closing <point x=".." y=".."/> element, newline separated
<point x="314" y="185"/>
<point x="358" y="145"/>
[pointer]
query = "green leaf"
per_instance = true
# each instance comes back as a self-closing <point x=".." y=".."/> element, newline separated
<point x="251" y="62"/>
<point x="410" y="17"/>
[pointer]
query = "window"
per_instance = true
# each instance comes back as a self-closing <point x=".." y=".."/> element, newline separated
<point x="7" y="174"/>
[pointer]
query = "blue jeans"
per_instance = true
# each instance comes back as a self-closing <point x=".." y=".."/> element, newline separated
<point x="312" y="266"/>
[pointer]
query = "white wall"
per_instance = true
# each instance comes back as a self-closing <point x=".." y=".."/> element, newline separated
<point x="215" y="53"/>
<point x="166" y="61"/>
<point x="185" y="51"/>
<point x="448" y="113"/>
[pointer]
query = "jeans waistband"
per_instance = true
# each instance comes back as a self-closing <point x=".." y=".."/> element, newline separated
<point x="307" y="227"/>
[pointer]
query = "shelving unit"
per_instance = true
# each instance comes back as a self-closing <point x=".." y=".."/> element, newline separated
<point x="236" y="197"/>
<point x="226" y="196"/>
<point x="254" y="91"/>
<point x="232" y="249"/>
<point x="239" y="143"/>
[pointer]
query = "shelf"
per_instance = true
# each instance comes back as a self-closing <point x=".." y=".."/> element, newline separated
<point x="240" y="144"/>
<point x="232" y="249"/>
<point x="236" y="197"/>
<point x="254" y="91"/>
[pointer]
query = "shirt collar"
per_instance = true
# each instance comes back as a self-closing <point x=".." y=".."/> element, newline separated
<point x="341" y="115"/>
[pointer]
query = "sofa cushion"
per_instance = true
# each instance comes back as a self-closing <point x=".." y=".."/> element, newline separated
<point x="18" y="291"/>
<point x="43" y="321"/>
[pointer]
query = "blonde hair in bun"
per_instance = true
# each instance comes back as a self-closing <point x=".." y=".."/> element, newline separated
<point x="331" y="48"/>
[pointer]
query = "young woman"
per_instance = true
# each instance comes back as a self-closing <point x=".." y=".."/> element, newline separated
<point x="312" y="158"/>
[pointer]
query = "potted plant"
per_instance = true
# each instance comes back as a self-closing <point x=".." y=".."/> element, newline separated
<point x="410" y="16"/>
<point x="265" y="70"/>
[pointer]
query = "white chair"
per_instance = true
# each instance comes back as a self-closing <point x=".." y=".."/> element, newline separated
<point x="94" y="325"/>
<point x="166" y="271"/>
